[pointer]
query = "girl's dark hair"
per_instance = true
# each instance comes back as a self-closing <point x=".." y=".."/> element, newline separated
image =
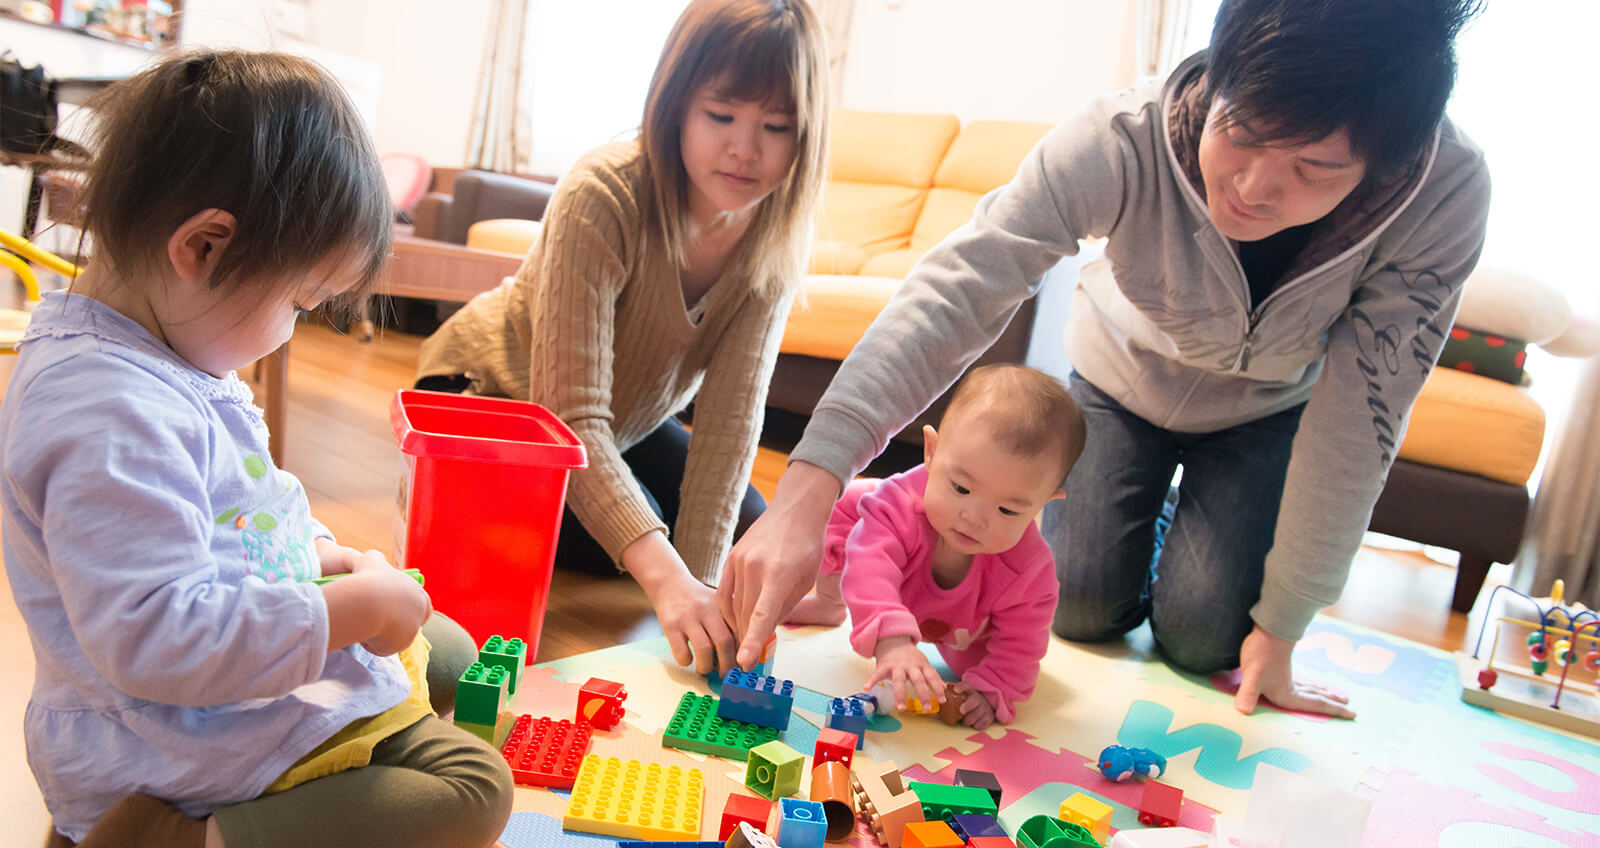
<point x="1299" y="70"/>
<point x="760" y="51"/>
<point x="270" y="138"/>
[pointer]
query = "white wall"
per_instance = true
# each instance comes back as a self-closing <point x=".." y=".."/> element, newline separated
<point x="1031" y="60"/>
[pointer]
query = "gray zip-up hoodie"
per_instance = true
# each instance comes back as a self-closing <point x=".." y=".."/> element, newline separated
<point x="1164" y="322"/>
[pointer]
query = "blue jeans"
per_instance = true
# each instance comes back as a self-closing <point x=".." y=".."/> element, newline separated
<point x="1198" y="592"/>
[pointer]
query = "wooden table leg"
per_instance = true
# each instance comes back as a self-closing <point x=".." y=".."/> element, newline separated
<point x="275" y="385"/>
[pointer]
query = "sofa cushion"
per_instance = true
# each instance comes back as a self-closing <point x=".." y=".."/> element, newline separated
<point x="506" y="235"/>
<point x="895" y="263"/>
<point x="881" y="165"/>
<point x="835" y="313"/>
<point x="983" y="157"/>
<point x="836" y="257"/>
<point x="1471" y="423"/>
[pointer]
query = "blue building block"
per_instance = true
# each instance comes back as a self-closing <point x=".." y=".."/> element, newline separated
<point x="751" y="698"/>
<point x="970" y="825"/>
<point x="802" y="824"/>
<point x="849" y="715"/>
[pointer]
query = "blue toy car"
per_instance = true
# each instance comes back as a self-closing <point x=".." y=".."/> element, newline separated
<point x="1120" y="763"/>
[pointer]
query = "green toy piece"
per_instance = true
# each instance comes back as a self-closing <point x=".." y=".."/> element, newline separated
<point x="942" y="801"/>
<point x="509" y="654"/>
<point x="774" y="770"/>
<point x="481" y="695"/>
<point x="1044" y="831"/>
<point x="482" y="731"/>
<point x="413" y="573"/>
<point x="695" y="726"/>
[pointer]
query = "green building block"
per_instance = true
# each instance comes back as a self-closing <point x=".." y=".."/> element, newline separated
<point x="482" y="731"/>
<point x="695" y="726"/>
<point x="774" y="770"/>
<point x="509" y="654"/>
<point x="1043" y="831"/>
<point x="943" y="802"/>
<point x="481" y="694"/>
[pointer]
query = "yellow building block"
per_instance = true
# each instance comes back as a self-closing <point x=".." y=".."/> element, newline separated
<point x="1094" y="816"/>
<point x="633" y="800"/>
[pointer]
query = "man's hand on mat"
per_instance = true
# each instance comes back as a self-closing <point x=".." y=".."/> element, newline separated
<point x="904" y="665"/>
<point x="775" y="563"/>
<point x="685" y="607"/>
<point x="1265" y="672"/>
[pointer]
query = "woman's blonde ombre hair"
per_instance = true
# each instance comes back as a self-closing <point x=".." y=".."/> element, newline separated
<point x="763" y="51"/>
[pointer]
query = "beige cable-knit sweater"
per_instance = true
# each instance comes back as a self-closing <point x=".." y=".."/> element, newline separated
<point x="594" y="327"/>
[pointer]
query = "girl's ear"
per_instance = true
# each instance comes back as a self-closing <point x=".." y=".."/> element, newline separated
<point x="197" y="244"/>
<point x="930" y="442"/>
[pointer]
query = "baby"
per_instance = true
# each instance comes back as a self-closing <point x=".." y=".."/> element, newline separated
<point x="950" y="553"/>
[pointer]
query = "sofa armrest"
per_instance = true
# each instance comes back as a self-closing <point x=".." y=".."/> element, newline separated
<point x="427" y="220"/>
<point x="481" y="195"/>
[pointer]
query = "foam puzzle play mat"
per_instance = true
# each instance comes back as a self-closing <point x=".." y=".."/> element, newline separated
<point x="623" y="745"/>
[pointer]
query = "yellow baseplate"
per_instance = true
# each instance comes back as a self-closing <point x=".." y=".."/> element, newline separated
<point x="629" y="799"/>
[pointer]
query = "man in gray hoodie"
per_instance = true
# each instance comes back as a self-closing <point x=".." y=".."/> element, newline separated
<point x="1288" y="219"/>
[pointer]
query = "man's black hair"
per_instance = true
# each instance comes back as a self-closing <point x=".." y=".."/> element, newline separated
<point x="1297" y="71"/>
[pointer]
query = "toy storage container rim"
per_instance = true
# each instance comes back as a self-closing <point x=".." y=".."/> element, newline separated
<point x="483" y="429"/>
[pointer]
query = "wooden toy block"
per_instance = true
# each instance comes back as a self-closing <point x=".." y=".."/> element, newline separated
<point x="695" y="726"/>
<point x="546" y="752"/>
<point x="942" y="801"/>
<point x="1043" y="831"/>
<point x="1093" y="815"/>
<point x="745" y="836"/>
<point x="600" y="703"/>
<point x="633" y="800"/>
<point x="1160" y="804"/>
<point x="970" y="826"/>
<point x="950" y="707"/>
<point x="509" y="654"/>
<point x="930" y="834"/>
<point x="766" y="701"/>
<point x="991" y="842"/>
<point x="481" y="695"/>
<point x="801" y="824"/>
<point x="774" y="770"/>
<point x="743" y="808"/>
<point x="889" y="807"/>
<point x="849" y="715"/>
<point x="830" y="787"/>
<point x="983" y="779"/>
<point x="833" y="745"/>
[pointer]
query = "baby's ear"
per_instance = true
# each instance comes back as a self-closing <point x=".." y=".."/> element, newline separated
<point x="1056" y="495"/>
<point x="196" y="245"/>
<point x="930" y="442"/>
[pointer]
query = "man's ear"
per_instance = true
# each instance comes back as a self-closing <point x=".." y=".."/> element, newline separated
<point x="196" y="245"/>
<point x="930" y="442"/>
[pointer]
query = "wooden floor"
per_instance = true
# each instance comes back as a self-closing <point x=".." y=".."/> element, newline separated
<point x="339" y="444"/>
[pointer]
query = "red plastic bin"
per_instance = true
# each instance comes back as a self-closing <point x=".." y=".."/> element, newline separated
<point x="480" y="506"/>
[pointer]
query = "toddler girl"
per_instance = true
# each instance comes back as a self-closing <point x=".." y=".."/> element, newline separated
<point x="191" y="681"/>
<point x="949" y="551"/>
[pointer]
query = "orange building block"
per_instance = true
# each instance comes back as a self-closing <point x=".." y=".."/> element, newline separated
<point x="930" y="834"/>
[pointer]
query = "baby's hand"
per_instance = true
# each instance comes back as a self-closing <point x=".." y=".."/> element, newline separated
<point x="336" y="558"/>
<point x="401" y="605"/>
<point x="903" y="665"/>
<point x="976" y="711"/>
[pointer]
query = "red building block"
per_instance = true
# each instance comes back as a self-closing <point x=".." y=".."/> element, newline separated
<point x="991" y="842"/>
<point x="545" y="752"/>
<point x="743" y="808"/>
<point x="600" y="703"/>
<point x="1159" y="806"/>
<point x="834" y="746"/>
